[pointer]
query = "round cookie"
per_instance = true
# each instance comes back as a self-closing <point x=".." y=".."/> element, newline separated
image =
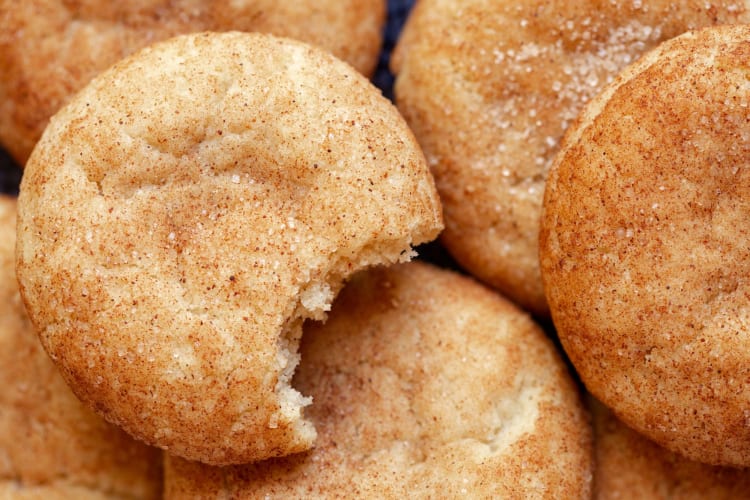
<point x="630" y="466"/>
<point x="49" y="49"/>
<point x="424" y="384"/>
<point x="644" y="245"/>
<point x="489" y="88"/>
<point x="183" y="215"/>
<point x="51" y="445"/>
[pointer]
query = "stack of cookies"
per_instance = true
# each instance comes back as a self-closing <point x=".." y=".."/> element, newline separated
<point x="211" y="285"/>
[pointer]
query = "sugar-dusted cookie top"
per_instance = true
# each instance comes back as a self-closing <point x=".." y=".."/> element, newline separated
<point x="49" y="49"/>
<point x="628" y="465"/>
<point x="425" y="384"/>
<point x="489" y="88"/>
<point x="51" y="445"/>
<point x="185" y="213"/>
<point x="644" y="245"/>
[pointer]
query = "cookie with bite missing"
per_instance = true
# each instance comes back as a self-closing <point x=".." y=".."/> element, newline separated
<point x="489" y="89"/>
<point x="425" y="384"/>
<point x="50" y="49"/>
<point x="51" y="445"/>
<point x="188" y="210"/>
<point x="644" y="245"/>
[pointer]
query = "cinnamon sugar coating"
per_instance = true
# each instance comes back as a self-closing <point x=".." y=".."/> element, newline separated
<point x="645" y="251"/>
<point x="489" y="89"/>
<point x="51" y="445"/>
<point x="630" y="466"/>
<point x="425" y="384"/>
<point x="185" y="213"/>
<point x="50" y="49"/>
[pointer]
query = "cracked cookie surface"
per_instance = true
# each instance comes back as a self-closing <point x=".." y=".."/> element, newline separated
<point x="644" y="245"/>
<point x="424" y="383"/>
<point x="188" y="210"/>
<point x="51" y="445"/>
<point x="49" y="49"/>
<point x="489" y="89"/>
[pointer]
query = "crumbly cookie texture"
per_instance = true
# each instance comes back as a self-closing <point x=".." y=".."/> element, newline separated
<point x="644" y="245"/>
<point x="188" y="210"/>
<point x="51" y="445"/>
<point x="489" y="89"/>
<point x="630" y="466"/>
<point x="50" y="49"/>
<point x="425" y="383"/>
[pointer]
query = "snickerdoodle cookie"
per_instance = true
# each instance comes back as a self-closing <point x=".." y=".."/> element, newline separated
<point x="489" y="89"/>
<point x="184" y="214"/>
<point x="49" y="49"/>
<point x="425" y="384"/>
<point x="51" y="445"/>
<point x="645" y="245"/>
<point x="630" y="466"/>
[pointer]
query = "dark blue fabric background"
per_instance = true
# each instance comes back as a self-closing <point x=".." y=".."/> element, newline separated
<point x="397" y="12"/>
<point x="10" y="173"/>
